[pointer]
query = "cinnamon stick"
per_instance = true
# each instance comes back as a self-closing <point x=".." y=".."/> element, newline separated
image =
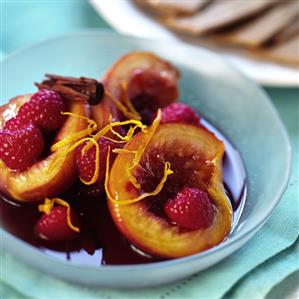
<point x="74" y="89"/>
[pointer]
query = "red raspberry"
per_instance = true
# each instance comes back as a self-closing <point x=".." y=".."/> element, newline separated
<point x="21" y="148"/>
<point x="15" y="123"/>
<point x="44" y="109"/>
<point x="179" y="113"/>
<point x="54" y="227"/>
<point x="86" y="163"/>
<point x="191" y="208"/>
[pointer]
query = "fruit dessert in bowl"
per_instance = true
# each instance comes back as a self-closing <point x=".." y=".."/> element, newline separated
<point x="26" y="174"/>
<point x="125" y="148"/>
<point x="142" y="183"/>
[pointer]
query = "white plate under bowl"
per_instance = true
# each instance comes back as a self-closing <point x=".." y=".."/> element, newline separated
<point x="126" y="18"/>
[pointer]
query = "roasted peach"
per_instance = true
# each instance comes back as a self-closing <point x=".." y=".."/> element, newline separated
<point x="51" y="175"/>
<point x="10" y="109"/>
<point x="195" y="157"/>
<point x="142" y="83"/>
<point x="101" y="112"/>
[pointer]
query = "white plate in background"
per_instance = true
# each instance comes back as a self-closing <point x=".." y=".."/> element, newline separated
<point x="126" y="18"/>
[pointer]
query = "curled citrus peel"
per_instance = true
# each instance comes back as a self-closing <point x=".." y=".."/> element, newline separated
<point x="102" y="133"/>
<point x="127" y="100"/>
<point x="72" y="147"/>
<point x="125" y="106"/>
<point x="113" y="140"/>
<point x="127" y="137"/>
<point x="48" y="205"/>
<point x="137" y="156"/>
<point x="145" y="141"/>
<point x="167" y="172"/>
<point x="92" y="126"/>
<point x="97" y="162"/>
<point x="66" y="144"/>
<point x="114" y="133"/>
<point x="71" y="142"/>
<point x="123" y="151"/>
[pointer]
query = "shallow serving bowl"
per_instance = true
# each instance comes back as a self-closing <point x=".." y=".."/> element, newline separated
<point x="231" y="102"/>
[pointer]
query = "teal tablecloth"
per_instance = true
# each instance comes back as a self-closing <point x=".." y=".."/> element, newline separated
<point x="267" y="267"/>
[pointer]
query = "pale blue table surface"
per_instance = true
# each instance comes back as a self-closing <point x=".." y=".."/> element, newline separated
<point x="26" y="22"/>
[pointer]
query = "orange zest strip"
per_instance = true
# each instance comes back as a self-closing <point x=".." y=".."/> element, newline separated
<point x="97" y="160"/>
<point x="67" y="150"/>
<point x="145" y="141"/>
<point x="113" y="140"/>
<point x="116" y="133"/>
<point x="122" y="108"/>
<point x="127" y="101"/>
<point x="112" y="129"/>
<point x="167" y="172"/>
<point x="129" y="135"/>
<point x="106" y="129"/>
<point x="48" y="205"/>
<point x="70" y="143"/>
<point x="92" y="126"/>
<point x="97" y="163"/>
<point x="123" y="151"/>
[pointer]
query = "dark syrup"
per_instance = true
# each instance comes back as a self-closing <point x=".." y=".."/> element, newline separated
<point x="100" y="242"/>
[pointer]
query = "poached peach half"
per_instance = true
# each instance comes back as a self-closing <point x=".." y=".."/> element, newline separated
<point x="150" y="83"/>
<point x="195" y="157"/>
<point x="51" y="175"/>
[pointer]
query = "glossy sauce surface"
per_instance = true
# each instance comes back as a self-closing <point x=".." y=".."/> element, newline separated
<point x="100" y="242"/>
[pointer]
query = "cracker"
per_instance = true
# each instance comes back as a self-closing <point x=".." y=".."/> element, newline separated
<point x="287" y="32"/>
<point x="172" y="7"/>
<point x="262" y="29"/>
<point x="287" y="52"/>
<point x="218" y="15"/>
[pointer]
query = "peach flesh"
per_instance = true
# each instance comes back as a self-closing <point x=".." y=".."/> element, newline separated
<point x="101" y="112"/>
<point x="149" y="91"/>
<point x="152" y="83"/>
<point x="11" y="109"/>
<point x="50" y="176"/>
<point x="154" y="234"/>
<point x="149" y="173"/>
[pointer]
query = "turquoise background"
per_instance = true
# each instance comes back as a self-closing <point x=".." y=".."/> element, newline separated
<point x="26" y="22"/>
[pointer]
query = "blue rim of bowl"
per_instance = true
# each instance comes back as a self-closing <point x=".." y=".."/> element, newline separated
<point x="168" y="263"/>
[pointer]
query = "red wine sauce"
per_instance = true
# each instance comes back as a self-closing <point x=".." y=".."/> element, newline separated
<point x="100" y="242"/>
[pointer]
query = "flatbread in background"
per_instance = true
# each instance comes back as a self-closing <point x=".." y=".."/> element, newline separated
<point x="261" y="29"/>
<point x="173" y="7"/>
<point x="286" y="33"/>
<point x="218" y="15"/>
<point x="287" y="52"/>
<point x="265" y="29"/>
